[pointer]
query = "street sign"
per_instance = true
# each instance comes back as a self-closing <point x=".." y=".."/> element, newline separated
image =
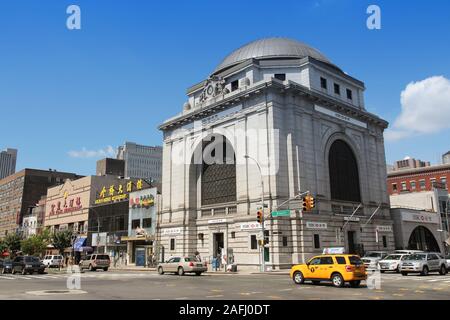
<point x="260" y="236"/>
<point x="282" y="213"/>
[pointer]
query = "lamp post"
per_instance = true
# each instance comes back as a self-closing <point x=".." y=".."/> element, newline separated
<point x="263" y="263"/>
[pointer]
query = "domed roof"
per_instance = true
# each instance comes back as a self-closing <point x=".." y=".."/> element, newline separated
<point x="271" y="48"/>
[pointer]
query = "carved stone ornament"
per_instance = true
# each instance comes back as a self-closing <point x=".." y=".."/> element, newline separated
<point x="214" y="86"/>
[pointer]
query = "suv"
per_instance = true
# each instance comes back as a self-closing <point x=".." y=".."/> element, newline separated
<point x="95" y="261"/>
<point x="52" y="261"/>
<point x="27" y="264"/>
<point x="338" y="269"/>
<point x="423" y="263"/>
<point x="5" y="266"/>
<point x="372" y="258"/>
<point x="182" y="265"/>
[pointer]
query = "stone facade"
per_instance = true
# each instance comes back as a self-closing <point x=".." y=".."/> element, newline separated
<point x="288" y="126"/>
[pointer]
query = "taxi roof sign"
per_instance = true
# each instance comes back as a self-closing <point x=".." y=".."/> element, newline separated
<point x="337" y="250"/>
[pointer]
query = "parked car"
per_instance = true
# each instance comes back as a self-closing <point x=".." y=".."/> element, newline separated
<point x="27" y="264"/>
<point x="52" y="261"/>
<point x="423" y="263"/>
<point x="95" y="261"/>
<point x="447" y="259"/>
<point x="182" y="265"/>
<point x="338" y="269"/>
<point x="391" y="262"/>
<point x="5" y="266"/>
<point x="372" y="258"/>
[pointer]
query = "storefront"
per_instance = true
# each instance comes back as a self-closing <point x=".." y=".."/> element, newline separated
<point x="417" y="230"/>
<point x="141" y="245"/>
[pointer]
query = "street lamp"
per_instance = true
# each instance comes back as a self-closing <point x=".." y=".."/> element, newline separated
<point x="263" y="263"/>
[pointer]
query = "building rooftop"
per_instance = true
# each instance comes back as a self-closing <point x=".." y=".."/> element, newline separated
<point x="270" y="48"/>
<point x="418" y="170"/>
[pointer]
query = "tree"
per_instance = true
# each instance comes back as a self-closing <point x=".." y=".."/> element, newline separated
<point x="3" y="246"/>
<point x="35" y="245"/>
<point x="62" y="240"/>
<point x="12" y="242"/>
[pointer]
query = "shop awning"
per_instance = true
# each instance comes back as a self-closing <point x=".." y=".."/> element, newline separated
<point x="148" y="238"/>
<point x="79" y="243"/>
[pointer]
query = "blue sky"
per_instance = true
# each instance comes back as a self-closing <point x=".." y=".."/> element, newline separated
<point x="128" y="68"/>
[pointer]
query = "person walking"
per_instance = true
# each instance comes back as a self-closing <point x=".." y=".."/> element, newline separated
<point x="197" y="256"/>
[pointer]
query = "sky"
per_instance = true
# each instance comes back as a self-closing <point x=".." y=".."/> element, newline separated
<point x="70" y="97"/>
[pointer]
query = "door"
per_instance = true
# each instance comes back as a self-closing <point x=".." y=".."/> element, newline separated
<point x="313" y="268"/>
<point x="351" y="242"/>
<point x="140" y="257"/>
<point x="172" y="266"/>
<point x="326" y="267"/>
<point x="433" y="262"/>
<point x="218" y="243"/>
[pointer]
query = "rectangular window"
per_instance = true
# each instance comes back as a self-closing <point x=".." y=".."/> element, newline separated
<point x="349" y="94"/>
<point x="135" y="223"/>
<point x="384" y="242"/>
<point x="253" y="242"/>
<point x="422" y="184"/>
<point x="147" y="223"/>
<point x="432" y="182"/>
<point x="394" y="187"/>
<point x="285" y="241"/>
<point x="280" y="76"/>
<point x="444" y="182"/>
<point x="337" y="89"/>
<point x="403" y="186"/>
<point x="323" y="83"/>
<point x="172" y="244"/>
<point x="233" y="235"/>
<point x="316" y="241"/>
<point x="235" y="85"/>
<point x="413" y="185"/>
<point x="340" y="260"/>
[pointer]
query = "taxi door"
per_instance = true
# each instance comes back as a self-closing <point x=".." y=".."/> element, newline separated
<point x="313" y="268"/>
<point x="326" y="267"/>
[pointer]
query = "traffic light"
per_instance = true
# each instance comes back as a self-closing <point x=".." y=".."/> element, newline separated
<point x="309" y="203"/>
<point x="259" y="216"/>
<point x="312" y="202"/>
<point x="305" y="203"/>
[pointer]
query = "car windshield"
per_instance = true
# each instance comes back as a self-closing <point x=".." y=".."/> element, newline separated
<point x="405" y="257"/>
<point x="416" y="257"/>
<point x="393" y="257"/>
<point x="188" y="259"/>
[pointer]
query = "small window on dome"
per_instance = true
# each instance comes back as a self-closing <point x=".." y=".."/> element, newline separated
<point x="323" y="83"/>
<point x="235" y="85"/>
<point x="280" y="76"/>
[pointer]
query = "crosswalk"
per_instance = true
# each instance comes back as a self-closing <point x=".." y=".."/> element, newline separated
<point x="64" y="276"/>
<point x="417" y="278"/>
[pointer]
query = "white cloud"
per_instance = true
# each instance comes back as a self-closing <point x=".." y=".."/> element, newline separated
<point x="425" y="109"/>
<point x="109" y="151"/>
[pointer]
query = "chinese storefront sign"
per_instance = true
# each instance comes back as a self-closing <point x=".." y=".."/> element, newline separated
<point x="116" y="193"/>
<point x="69" y="205"/>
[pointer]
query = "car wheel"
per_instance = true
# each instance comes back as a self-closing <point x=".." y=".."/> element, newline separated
<point x="443" y="270"/>
<point x="105" y="269"/>
<point x="382" y="271"/>
<point x="198" y="273"/>
<point x="337" y="280"/>
<point x="160" y="270"/>
<point x="91" y="268"/>
<point x="397" y="270"/>
<point x="298" y="277"/>
<point x="315" y="282"/>
<point x="404" y="273"/>
<point x="424" y="271"/>
<point x="180" y="271"/>
<point x="355" y="283"/>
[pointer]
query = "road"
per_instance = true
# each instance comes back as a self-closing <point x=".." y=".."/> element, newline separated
<point x="149" y="285"/>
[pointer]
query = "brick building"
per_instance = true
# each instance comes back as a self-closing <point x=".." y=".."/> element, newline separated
<point x="418" y="179"/>
<point x="22" y="191"/>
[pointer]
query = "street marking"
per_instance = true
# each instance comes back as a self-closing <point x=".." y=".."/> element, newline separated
<point x="215" y="296"/>
<point x="275" y="297"/>
<point x="419" y="291"/>
<point x="404" y="289"/>
<point x="433" y="280"/>
<point x="286" y="289"/>
<point x="216" y="290"/>
<point x="398" y="294"/>
<point x="447" y="281"/>
<point x="7" y="278"/>
<point x="182" y="298"/>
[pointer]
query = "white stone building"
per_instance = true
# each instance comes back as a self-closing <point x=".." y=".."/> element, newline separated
<point x="285" y="105"/>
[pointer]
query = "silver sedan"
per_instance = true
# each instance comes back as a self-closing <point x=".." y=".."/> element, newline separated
<point x="181" y="265"/>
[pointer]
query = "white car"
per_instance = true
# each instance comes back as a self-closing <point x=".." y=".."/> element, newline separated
<point x="52" y="261"/>
<point x="408" y="251"/>
<point x="391" y="262"/>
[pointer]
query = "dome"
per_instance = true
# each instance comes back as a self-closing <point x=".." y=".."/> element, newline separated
<point x="271" y="48"/>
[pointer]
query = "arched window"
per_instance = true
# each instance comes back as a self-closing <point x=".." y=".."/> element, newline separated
<point x="219" y="175"/>
<point x="343" y="170"/>
<point x="422" y="239"/>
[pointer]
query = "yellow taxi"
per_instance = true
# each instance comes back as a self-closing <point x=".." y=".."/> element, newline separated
<point x="337" y="268"/>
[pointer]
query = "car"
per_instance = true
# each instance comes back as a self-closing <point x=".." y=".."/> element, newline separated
<point x="447" y="259"/>
<point x="95" y="261"/>
<point x="391" y="262"/>
<point x="372" y="258"/>
<point x="27" y="264"/>
<point x="337" y="268"/>
<point x="52" y="261"/>
<point x="181" y="265"/>
<point x="5" y="266"/>
<point x="423" y="263"/>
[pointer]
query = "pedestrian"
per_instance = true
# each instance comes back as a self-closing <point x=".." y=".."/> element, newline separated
<point x="197" y="256"/>
<point x="224" y="259"/>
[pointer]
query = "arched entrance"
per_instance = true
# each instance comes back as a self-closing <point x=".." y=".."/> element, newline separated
<point x="422" y="239"/>
<point x="343" y="172"/>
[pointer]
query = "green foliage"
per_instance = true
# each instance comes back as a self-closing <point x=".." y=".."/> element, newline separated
<point x="62" y="240"/>
<point x="3" y="246"/>
<point x="12" y="242"/>
<point x="35" y="245"/>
